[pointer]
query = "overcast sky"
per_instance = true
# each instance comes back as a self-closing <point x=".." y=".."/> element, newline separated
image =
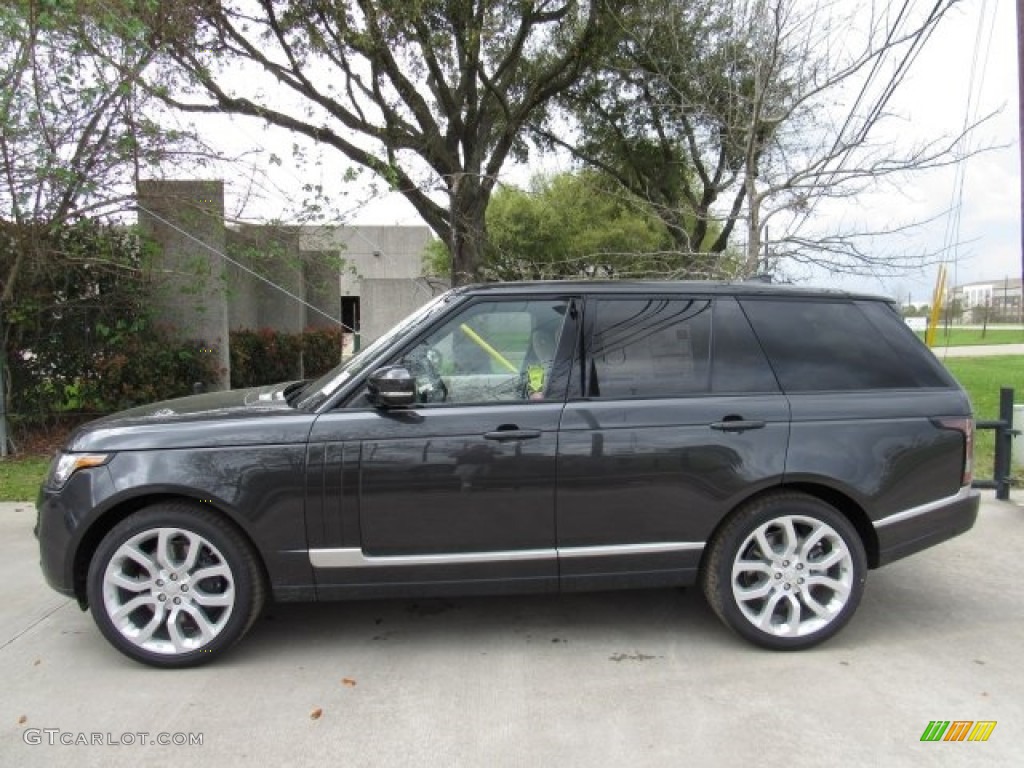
<point x="967" y="70"/>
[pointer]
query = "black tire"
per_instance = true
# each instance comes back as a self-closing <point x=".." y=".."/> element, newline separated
<point x="181" y="608"/>
<point x="793" y="596"/>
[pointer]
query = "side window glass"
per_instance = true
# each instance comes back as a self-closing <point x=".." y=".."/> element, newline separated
<point x="822" y="346"/>
<point x="492" y="351"/>
<point x="922" y="364"/>
<point x="648" y="347"/>
<point x="738" y="364"/>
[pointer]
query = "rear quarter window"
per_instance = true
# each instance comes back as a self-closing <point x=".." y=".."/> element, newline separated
<point x="836" y="345"/>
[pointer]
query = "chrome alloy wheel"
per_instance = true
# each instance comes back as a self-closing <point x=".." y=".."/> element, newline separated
<point x="792" y="576"/>
<point x="168" y="591"/>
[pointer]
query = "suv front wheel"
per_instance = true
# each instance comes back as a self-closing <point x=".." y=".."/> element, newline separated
<point x="174" y="585"/>
<point x="786" y="572"/>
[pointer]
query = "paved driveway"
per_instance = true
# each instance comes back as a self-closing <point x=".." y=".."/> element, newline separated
<point x="626" y="679"/>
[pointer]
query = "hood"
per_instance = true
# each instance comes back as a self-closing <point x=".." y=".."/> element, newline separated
<point x="256" y="416"/>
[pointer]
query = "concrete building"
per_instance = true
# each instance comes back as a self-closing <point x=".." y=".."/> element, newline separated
<point x="215" y="277"/>
<point x="993" y="301"/>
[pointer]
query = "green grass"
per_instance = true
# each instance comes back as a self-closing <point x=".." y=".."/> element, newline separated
<point x="982" y="377"/>
<point x="20" y="477"/>
<point x="968" y="337"/>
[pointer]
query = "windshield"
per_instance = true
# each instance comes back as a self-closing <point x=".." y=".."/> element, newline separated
<point x="319" y="390"/>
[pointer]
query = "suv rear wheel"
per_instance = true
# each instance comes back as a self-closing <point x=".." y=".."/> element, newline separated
<point x="786" y="572"/>
<point x="174" y="585"/>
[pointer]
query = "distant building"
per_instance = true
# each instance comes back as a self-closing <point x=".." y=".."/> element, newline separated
<point x="993" y="301"/>
<point x="217" y="278"/>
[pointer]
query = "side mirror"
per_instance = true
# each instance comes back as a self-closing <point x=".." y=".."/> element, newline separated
<point x="391" y="387"/>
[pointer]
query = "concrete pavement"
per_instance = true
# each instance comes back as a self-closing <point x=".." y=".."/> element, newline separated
<point x="627" y="679"/>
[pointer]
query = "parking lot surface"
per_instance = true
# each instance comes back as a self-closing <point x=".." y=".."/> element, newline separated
<point x="625" y="679"/>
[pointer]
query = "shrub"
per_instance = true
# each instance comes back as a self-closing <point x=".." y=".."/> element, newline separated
<point x="267" y="357"/>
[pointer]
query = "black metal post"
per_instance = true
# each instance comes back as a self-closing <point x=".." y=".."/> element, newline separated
<point x="1004" y="441"/>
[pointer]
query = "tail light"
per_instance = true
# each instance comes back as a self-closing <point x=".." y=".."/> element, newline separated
<point x="966" y="428"/>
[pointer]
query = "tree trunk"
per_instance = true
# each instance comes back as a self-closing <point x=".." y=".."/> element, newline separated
<point x="750" y="267"/>
<point x="468" y="228"/>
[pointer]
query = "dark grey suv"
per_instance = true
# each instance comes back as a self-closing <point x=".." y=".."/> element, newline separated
<point x="772" y="444"/>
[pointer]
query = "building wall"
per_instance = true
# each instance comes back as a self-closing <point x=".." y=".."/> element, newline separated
<point x="370" y="253"/>
<point x="187" y="219"/>
<point x="1000" y="300"/>
<point x="205" y="293"/>
<point x="387" y="301"/>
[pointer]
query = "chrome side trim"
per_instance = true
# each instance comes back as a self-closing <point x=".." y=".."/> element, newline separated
<point x="651" y="548"/>
<point x="355" y="558"/>
<point x="352" y="557"/>
<point x="962" y="495"/>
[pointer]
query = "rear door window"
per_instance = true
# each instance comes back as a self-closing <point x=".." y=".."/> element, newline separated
<point x="656" y="347"/>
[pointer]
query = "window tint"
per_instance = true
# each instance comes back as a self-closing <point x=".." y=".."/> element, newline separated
<point x="648" y="347"/>
<point x="737" y="362"/>
<point x="826" y="346"/>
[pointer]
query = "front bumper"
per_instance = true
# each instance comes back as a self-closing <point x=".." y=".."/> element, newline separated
<point x="912" y="530"/>
<point x="59" y="526"/>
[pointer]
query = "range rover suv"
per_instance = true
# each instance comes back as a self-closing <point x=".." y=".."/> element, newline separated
<point x="770" y="443"/>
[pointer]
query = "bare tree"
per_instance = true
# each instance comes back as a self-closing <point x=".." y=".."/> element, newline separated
<point x="430" y="95"/>
<point x="751" y="114"/>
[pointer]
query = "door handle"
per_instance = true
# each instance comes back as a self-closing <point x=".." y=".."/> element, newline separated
<point x="735" y="424"/>
<point x="503" y="434"/>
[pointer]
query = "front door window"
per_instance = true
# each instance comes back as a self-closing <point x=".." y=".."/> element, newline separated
<point x="493" y="351"/>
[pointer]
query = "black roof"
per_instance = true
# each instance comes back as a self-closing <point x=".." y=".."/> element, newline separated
<point x="699" y="287"/>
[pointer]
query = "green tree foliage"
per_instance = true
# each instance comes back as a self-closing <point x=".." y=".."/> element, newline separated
<point x="431" y="95"/>
<point x="76" y="131"/>
<point x="572" y="225"/>
<point x="661" y="116"/>
<point x="77" y="334"/>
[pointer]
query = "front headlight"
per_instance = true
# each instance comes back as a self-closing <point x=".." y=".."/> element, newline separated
<point x="66" y="464"/>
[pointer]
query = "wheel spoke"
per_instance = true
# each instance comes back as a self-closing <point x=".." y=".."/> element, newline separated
<point x="178" y="639"/>
<point x="764" y="618"/>
<point x="762" y="541"/>
<point x="841" y="589"/>
<point x="210" y="572"/>
<point x="207" y="631"/>
<point x="834" y="558"/>
<point x="741" y="567"/>
<point x="214" y="599"/>
<point x="817" y="608"/>
<point x="792" y="625"/>
<point x="195" y="546"/>
<point x="756" y="592"/>
<point x="792" y="538"/>
<point x="119" y="579"/>
<point x="812" y="540"/>
<point x="132" y="605"/>
<point x="163" y="549"/>
<point x="144" y="634"/>
<point x="136" y="555"/>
